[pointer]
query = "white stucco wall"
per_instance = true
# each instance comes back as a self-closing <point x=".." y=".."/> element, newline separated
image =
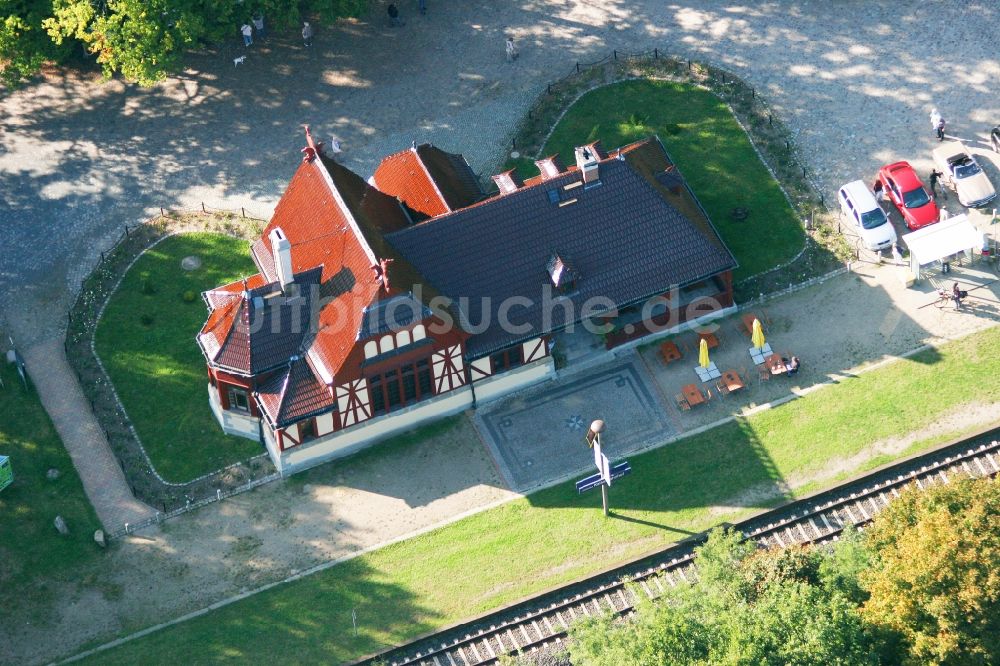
<point x="502" y="383"/>
<point x="363" y="435"/>
<point x="233" y="423"/>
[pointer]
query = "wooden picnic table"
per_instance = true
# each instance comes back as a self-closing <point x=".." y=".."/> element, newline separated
<point x="669" y="351"/>
<point x="730" y="382"/>
<point x="776" y="364"/>
<point x="748" y="320"/>
<point x="692" y="394"/>
<point x="709" y="339"/>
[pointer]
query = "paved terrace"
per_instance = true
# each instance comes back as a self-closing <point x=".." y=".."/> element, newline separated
<point x="837" y="328"/>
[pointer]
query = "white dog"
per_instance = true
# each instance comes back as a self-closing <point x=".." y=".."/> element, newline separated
<point x="239" y="61"/>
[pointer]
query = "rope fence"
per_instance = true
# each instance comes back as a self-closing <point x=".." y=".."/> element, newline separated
<point x="81" y="324"/>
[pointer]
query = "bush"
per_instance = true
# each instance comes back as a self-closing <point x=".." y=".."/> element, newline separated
<point x="146" y="319"/>
<point x="189" y="296"/>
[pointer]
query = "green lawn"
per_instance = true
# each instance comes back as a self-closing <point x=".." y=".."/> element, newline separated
<point x="33" y="555"/>
<point x="156" y="366"/>
<point x="520" y="548"/>
<point x="710" y="149"/>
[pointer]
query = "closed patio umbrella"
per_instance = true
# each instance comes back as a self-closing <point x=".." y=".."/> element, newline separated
<point x="757" y="335"/>
<point x="703" y="354"/>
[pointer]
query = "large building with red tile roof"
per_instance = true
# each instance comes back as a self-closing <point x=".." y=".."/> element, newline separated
<point x="380" y="305"/>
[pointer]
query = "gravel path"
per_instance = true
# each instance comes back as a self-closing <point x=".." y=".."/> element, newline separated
<point x="78" y="160"/>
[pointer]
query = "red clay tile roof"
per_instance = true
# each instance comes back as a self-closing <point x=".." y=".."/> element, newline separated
<point x="293" y="395"/>
<point x="428" y="180"/>
<point x="221" y="295"/>
<point x="334" y="219"/>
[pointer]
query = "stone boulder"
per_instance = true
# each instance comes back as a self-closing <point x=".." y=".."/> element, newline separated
<point x="52" y="474"/>
<point x="99" y="538"/>
<point x="61" y="525"/>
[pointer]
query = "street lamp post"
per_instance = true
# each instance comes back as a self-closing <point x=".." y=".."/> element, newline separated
<point x="605" y="472"/>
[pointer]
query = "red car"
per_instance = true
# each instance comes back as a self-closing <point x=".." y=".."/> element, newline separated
<point x="914" y="202"/>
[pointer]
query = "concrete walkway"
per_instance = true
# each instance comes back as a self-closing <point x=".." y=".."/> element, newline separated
<point x="102" y="478"/>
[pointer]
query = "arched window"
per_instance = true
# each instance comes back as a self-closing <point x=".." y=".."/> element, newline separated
<point x="419" y="333"/>
<point x="385" y="344"/>
<point x="371" y="349"/>
<point x="402" y="338"/>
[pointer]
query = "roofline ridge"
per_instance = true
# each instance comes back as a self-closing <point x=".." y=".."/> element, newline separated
<point x="697" y="201"/>
<point x="416" y="151"/>
<point x="369" y="252"/>
<point x="284" y="390"/>
<point x="246" y="317"/>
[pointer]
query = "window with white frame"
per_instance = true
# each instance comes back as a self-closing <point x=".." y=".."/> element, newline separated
<point x="239" y="399"/>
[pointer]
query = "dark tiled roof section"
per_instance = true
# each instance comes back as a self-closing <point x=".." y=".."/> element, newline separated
<point x="649" y="158"/>
<point x="452" y="175"/>
<point x="293" y="395"/>
<point x="392" y="314"/>
<point x="267" y="328"/>
<point x="626" y="241"/>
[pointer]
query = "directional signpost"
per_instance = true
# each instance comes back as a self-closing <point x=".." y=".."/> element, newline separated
<point x="606" y="472"/>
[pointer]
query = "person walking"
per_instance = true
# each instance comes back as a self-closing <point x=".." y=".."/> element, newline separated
<point x="393" y="12"/>
<point x="934" y="177"/>
<point x="258" y="24"/>
<point x="938" y="123"/>
<point x="511" y="50"/>
<point x="307" y="33"/>
<point x="247" y="34"/>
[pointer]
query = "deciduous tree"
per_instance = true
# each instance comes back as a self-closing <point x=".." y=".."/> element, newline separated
<point x="935" y="574"/>
<point x="143" y="40"/>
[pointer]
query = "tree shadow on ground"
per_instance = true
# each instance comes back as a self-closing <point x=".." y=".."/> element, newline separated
<point x="333" y="616"/>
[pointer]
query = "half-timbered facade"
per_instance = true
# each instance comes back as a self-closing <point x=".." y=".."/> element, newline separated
<point x="379" y="305"/>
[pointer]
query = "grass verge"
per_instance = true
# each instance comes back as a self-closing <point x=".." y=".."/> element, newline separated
<point x="555" y="535"/>
<point x="709" y="147"/>
<point x="146" y="341"/>
<point x="33" y="555"/>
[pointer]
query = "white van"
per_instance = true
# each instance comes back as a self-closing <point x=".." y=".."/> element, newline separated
<point x="871" y="223"/>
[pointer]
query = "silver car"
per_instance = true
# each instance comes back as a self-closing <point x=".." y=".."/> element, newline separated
<point x="964" y="175"/>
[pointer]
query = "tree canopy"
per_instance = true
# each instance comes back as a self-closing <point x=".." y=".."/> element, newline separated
<point x="935" y="574"/>
<point x="748" y="607"/>
<point x="143" y="40"/>
<point x="921" y="585"/>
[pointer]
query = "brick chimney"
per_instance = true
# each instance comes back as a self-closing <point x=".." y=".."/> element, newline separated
<point x="549" y="167"/>
<point x="282" y="251"/>
<point x="508" y="181"/>
<point x="587" y="163"/>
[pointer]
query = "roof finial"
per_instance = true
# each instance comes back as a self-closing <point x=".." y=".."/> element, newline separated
<point x="382" y="273"/>
<point x="312" y="148"/>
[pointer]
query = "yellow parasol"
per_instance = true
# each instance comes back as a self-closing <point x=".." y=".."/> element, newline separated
<point x="757" y="336"/>
<point x="703" y="354"/>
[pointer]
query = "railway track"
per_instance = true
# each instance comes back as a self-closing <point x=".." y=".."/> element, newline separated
<point x="545" y="621"/>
